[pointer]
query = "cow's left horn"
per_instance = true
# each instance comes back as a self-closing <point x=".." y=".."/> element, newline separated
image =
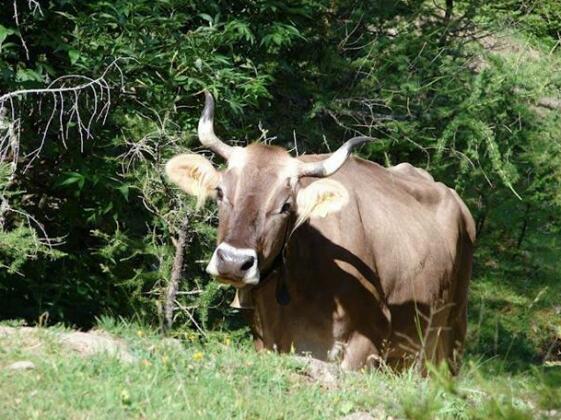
<point x="332" y="164"/>
<point x="206" y="130"/>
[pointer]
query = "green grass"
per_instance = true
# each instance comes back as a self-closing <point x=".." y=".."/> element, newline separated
<point x="223" y="377"/>
<point x="514" y="309"/>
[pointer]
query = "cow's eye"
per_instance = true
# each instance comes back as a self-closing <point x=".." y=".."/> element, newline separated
<point x="219" y="194"/>
<point x="285" y="207"/>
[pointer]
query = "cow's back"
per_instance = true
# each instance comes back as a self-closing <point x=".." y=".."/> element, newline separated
<point x="401" y="223"/>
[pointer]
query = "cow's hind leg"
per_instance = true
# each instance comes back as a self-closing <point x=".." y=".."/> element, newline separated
<point x="456" y="342"/>
<point x="360" y="352"/>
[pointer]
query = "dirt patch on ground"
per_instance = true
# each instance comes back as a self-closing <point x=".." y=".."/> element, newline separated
<point x="85" y="344"/>
<point x="317" y="371"/>
<point x="502" y="45"/>
<point x="507" y="45"/>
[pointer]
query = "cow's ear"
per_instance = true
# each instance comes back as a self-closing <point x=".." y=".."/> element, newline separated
<point x="319" y="199"/>
<point x="194" y="174"/>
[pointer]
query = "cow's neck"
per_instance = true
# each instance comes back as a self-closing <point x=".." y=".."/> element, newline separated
<point x="275" y="274"/>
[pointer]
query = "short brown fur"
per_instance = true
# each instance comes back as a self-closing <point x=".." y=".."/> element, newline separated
<point x="384" y="280"/>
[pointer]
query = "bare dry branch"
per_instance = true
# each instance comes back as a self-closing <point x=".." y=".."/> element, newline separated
<point x="69" y="100"/>
<point x="69" y="110"/>
<point x="191" y="317"/>
<point x="34" y="7"/>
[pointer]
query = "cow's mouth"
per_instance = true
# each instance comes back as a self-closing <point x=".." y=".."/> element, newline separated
<point x="238" y="284"/>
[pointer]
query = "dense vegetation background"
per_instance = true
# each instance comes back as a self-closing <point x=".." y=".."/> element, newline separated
<point x="469" y="90"/>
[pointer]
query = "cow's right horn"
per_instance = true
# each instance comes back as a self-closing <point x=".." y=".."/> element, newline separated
<point x="332" y="164"/>
<point x="206" y="130"/>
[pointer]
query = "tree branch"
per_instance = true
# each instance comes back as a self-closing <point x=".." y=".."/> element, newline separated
<point x="176" y="272"/>
<point x="71" y="108"/>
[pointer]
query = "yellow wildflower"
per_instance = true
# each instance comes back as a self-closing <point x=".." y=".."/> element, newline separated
<point x="125" y="397"/>
<point x="198" y="356"/>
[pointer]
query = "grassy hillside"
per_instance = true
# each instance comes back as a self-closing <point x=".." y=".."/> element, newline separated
<point x="222" y="377"/>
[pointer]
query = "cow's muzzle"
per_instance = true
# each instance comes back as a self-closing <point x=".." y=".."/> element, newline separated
<point x="235" y="266"/>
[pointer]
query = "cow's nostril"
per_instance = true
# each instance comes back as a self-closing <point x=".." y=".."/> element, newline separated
<point x="248" y="263"/>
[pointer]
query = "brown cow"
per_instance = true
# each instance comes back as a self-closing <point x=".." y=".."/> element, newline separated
<point x="339" y="257"/>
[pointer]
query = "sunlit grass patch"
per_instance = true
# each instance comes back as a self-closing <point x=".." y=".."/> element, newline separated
<point x="214" y="378"/>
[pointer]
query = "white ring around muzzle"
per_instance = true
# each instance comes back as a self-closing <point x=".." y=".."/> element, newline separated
<point x="251" y="277"/>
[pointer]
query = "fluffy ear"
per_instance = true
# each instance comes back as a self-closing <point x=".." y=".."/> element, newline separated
<point x="194" y="174"/>
<point x="319" y="199"/>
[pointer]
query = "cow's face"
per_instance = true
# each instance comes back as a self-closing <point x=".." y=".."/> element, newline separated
<point x="259" y="196"/>
<point x="259" y="200"/>
<point x="256" y="198"/>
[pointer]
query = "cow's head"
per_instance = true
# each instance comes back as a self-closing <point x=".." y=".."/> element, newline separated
<point x="259" y="196"/>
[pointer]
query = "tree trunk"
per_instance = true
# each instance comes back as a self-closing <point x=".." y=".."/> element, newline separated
<point x="447" y="21"/>
<point x="449" y="11"/>
<point x="524" y="228"/>
<point x="176" y="273"/>
<point x="482" y="217"/>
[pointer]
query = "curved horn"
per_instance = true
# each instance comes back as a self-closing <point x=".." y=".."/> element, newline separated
<point x="332" y="164"/>
<point x="206" y="130"/>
